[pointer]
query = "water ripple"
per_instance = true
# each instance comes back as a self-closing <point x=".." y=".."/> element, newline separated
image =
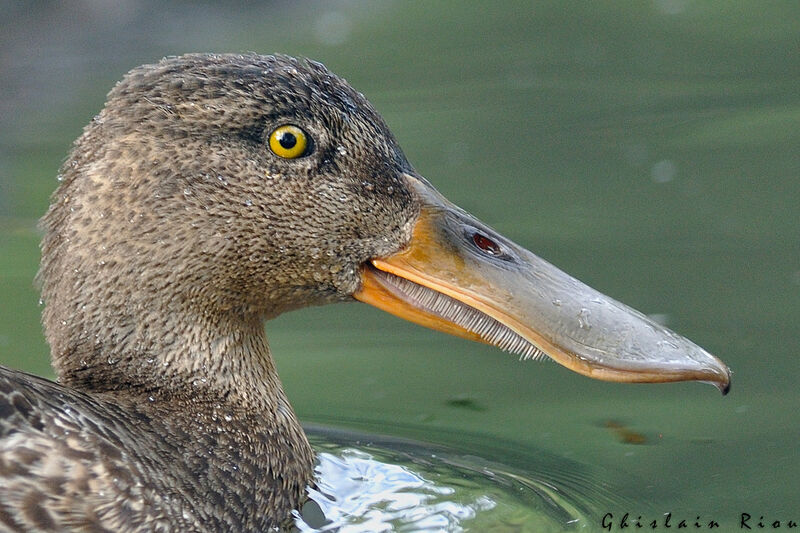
<point x="396" y="485"/>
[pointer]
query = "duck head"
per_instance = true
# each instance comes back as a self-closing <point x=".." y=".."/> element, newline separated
<point x="214" y="191"/>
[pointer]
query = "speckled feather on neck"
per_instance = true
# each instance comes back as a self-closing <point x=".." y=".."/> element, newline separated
<point x="173" y="235"/>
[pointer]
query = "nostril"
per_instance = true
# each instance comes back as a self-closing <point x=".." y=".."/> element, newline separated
<point x="486" y="244"/>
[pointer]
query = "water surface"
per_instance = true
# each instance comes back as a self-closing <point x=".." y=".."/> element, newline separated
<point x="648" y="148"/>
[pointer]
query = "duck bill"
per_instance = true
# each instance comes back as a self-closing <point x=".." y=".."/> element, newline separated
<point x="459" y="276"/>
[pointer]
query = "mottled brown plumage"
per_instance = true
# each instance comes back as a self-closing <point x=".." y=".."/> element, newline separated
<point x="174" y="233"/>
<point x="179" y="227"/>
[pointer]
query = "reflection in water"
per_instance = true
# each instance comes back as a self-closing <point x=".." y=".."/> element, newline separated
<point x="624" y="433"/>
<point x="381" y="484"/>
<point x="359" y="491"/>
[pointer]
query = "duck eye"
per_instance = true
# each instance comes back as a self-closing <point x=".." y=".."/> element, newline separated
<point x="288" y="141"/>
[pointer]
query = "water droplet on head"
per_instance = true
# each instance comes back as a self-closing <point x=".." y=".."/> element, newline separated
<point x="556" y="302"/>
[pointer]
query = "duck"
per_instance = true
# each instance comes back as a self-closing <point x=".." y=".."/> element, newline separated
<point x="212" y="193"/>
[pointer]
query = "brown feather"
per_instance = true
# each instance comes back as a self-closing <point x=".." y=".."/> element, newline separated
<point x="174" y="233"/>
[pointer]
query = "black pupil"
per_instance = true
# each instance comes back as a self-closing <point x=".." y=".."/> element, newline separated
<point x="287" y="140"/>
<point x="486" y="244"/>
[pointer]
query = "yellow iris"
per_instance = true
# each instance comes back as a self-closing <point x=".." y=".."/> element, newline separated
<point x="288" y="141"/>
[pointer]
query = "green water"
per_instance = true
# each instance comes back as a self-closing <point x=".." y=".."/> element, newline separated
<point x="648" y="148"/>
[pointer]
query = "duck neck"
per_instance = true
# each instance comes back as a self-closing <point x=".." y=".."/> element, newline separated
<point x="178" y="369"/>
<point x="157" y="351"/>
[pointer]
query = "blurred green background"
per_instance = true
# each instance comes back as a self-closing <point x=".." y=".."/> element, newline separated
<point x="649" y="148"/>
